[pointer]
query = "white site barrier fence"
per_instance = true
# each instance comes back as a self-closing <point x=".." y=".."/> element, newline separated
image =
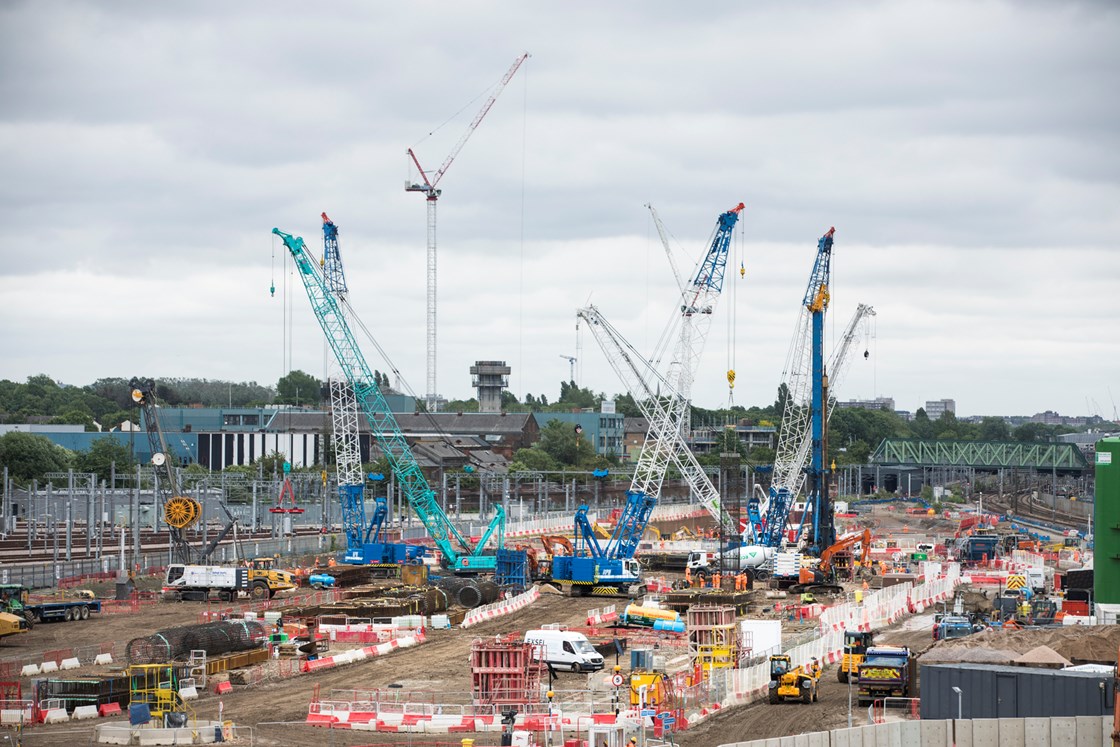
<point x="878" y="609"/>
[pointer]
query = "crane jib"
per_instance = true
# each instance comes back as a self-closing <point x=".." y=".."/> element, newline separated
<point x="383" y="425"/>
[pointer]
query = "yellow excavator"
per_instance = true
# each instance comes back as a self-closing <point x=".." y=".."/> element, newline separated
<point x="793" y="683"/>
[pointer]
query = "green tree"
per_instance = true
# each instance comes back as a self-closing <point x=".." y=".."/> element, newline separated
<point x="29" y="457"/>
<point x="298" y="388"/>
<point x="533" y="459"/>
<point x="101" y="455"/>
<point x="574" y="396"/>
<point x="561" y="441"/>
<point x="624" y="404"/>
<point x="509" y="401"/>
<point x="994" y="429"/>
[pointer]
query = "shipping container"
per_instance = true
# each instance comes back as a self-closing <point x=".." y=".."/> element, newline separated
<point x="989" y="691"/>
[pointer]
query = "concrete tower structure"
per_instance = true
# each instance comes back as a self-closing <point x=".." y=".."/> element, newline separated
<point x="490" y="378"/>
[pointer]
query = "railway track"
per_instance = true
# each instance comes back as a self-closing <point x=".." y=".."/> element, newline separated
<point x="14" y="548"/>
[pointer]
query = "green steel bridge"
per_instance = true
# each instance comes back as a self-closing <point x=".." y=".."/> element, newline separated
<point x="918" y="452"/>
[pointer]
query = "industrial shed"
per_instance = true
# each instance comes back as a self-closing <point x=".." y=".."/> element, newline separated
<point x="1012" y="692"/>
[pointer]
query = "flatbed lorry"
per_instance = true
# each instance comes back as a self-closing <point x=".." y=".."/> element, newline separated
<point x="16" y="599"/>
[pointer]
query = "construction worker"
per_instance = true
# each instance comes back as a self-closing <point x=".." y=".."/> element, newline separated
<point x="688" y="575"/>
<point x="717" y="580"/>
<point x="815" y="667"/>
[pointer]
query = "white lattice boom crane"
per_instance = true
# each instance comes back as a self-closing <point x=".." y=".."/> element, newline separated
<point x="429" y="188"/>
<point x="344" y="406"/>
<point x="664" y="399"/>
<point x="654" y="396"/>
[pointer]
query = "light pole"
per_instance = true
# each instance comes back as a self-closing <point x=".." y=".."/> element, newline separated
<point x="958" y="691"/>
<point x="849" y="693"/>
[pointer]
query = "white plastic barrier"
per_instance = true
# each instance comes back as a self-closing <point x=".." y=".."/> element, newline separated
<point x="879" y="609"/>
<point x="29" y="670"/>
<point x="83" y="712"/>
<point x="103" y="659"/>
<point x="188" y="693"/>
<point x="71" y="663"/>
<point x="48" y="666"/>
<point x="55" y="715"/>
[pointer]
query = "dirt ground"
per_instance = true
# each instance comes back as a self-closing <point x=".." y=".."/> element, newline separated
<point x="276" y="710"/>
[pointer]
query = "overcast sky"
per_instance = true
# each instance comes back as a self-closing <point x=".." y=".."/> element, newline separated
<point x="967" y="154"/>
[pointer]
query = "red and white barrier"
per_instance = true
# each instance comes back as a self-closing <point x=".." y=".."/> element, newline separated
<point x="360" y="654"/>
<point x="500" y="608"/>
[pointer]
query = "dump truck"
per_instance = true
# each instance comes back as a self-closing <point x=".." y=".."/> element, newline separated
<point x="855" y="647"/>
<point x="793" y="683"/>
<point x="15" y="599"/>
<point x="884" y="673"/>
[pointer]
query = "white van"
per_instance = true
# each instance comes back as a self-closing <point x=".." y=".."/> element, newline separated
<point x="564" y="649"/>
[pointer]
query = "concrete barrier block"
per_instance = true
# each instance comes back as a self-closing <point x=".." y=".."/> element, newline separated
<point x="1090" y="732"/>
<point x="189" y="693"/>
<point x="83" y="712"/>
<point x="71" y="663"/>
<point x="48" y="666"/>
<point x="56" y="715"/>
<point x="29" y="670"/>
<point x="1011" y="732"/>
<point x="103" y="659"/>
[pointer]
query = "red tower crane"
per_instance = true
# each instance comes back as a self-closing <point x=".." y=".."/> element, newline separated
<point x="429" y="188"/>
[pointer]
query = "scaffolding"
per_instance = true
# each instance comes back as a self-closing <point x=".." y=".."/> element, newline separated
<point x="157" y="687"/>
<point x="714" y="639"/>
<point x="504" y="672"/>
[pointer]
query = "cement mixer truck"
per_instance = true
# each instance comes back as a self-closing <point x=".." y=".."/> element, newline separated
<point x="754" y="559"/>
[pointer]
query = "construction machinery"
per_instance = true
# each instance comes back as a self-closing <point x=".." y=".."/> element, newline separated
<point x="884" y="673"/>
<point x="595" y="569"/>
<point x="365" y="544"/>
<point x="802" y="440"/>
<point x="663" y="398"/>
<point x="197" y="582"/>
<point x="15" y="599"/>
<point x="13" y="624"/>
<point x="179" y="511"/>
<point x="458" y="552"/>
<point x="855" y="648"/>
<point x="839" y="556"/>
<point x="431" y="195"/>
<point x="788" y="682"/>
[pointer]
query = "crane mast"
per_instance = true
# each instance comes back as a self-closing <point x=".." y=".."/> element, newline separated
<point x="429" y="188"/>
<point x="344" y="415"/>
<point x="459" y="553"/>
<point x="179" y="511"/>
<point x="803" y="420"/>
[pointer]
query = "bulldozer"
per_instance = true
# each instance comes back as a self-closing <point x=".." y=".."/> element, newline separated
<point x="793" y="683"/>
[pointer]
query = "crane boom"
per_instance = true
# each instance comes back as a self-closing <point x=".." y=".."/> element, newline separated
<point x="179" y="511"/>
<point x="664" y="399"/>
<point x="459" y="553"/>
<point x="344" y="416"/>
<point x="431" y="193"/>
<point x="651" y="392"/>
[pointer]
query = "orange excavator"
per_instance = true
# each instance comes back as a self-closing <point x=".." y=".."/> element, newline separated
<point x="552" y="542"/>
<point x="830" y="554"/>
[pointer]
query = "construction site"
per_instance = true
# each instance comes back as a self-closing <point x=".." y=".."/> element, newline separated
<point x="732" y="611"/>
